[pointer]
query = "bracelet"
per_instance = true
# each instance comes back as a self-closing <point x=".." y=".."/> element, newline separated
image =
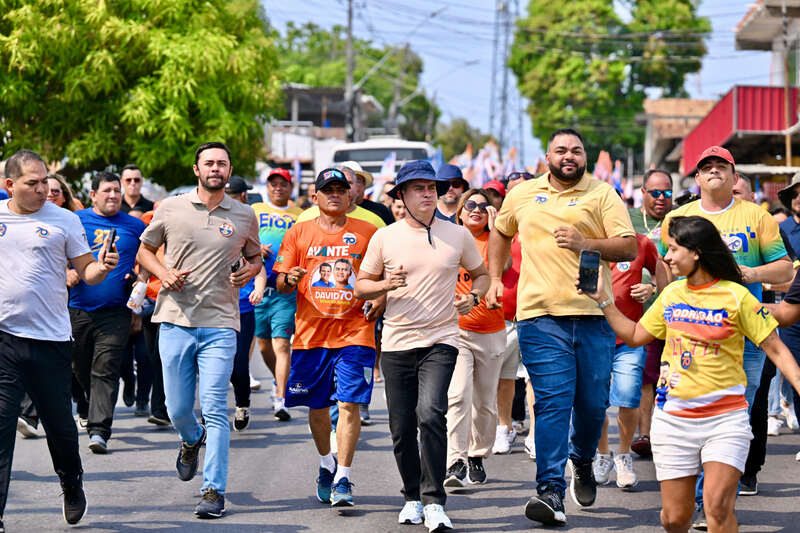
<point x="605" y="304"/>
<point x="286" y="281"/>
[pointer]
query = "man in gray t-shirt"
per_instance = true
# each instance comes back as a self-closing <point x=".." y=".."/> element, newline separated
<point x="39" y="240"/>
<point x="205" y="234"/>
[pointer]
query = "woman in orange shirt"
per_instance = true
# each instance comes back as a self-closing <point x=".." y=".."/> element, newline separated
<point x="472" y="396"/>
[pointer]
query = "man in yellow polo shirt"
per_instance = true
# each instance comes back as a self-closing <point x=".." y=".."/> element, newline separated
<point x="566" y="344"/>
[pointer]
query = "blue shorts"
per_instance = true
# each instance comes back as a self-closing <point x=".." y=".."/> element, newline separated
<point x="320" y="377"/>
<point x="627" y="367"/>
<point x="275" y="315"/>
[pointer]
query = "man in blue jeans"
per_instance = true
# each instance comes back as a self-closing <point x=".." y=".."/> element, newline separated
<point x="205" y="234"/>
<point x="566" y="344"/>
<point x="754" y="239"/>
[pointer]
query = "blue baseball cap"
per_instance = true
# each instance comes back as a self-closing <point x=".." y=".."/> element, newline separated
<point x="418" y="170"/>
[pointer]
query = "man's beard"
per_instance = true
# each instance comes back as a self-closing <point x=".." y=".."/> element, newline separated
<point x="207" y="186"/>
<point x="569" y="178"/>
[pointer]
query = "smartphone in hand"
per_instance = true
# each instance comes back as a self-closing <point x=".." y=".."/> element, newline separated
<point x="588" y="271"/>
<point x="109" y="243"/>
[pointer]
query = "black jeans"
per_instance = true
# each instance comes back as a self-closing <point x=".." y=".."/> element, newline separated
<point x="158" y="406"/>
<point x="240" y="377"/>
<point x="100" y="340"/>
<point x="758" y="422"/>
<point x="142" y="379"/>
<point x="42" y="368"/>
<point x="416" y="395"/>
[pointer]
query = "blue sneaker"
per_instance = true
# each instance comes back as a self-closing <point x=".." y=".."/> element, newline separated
<point x="324" y="482"/>
<point x="343" y="494"/>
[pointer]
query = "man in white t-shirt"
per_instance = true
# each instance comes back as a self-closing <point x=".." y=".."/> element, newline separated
<point x="39" y="240"/>
<point x="415" y="262"/>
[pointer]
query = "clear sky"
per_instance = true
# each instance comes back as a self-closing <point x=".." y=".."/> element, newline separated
<point x="463" y="33"/>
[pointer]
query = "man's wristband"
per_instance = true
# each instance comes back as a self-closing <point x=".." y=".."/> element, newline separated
<point x="286" y="281"/>
<point x="605" y="304"/>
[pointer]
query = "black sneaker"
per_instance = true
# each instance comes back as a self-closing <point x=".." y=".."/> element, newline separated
<point x="363" y="411"/>
<point x="129" y="393"/>
<point x="476" y="475"/>
<point x="582" y="487"/>
<point x="142" y="409"/>
<point x="456" y="475"/>
<point x="212" y="504"/>
<point x="241" y="418"/>
<point x="188" y="457"/>
<point x="700" y="523"/>
<point x="547" y="508"/>
<point x="749" y="485"/>
<point x="160" y="420"/>
<point x="74" y="507"/>
<point x="2" y="527"/>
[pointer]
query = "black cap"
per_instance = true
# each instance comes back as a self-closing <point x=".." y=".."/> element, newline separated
<point x="331" y="175"/>
<point x="237" y="185"/>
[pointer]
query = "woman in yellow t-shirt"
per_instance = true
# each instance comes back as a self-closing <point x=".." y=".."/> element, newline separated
<point x="701" y="417"/>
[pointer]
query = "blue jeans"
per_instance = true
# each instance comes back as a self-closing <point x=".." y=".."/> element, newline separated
<point x="207" y="352"/>
<point x="569" y="363"/>
<point x="753" y="365"/>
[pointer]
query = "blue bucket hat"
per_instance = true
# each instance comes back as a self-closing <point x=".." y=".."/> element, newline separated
<point x="451" y="172"/>
<point x="418" y="170"/>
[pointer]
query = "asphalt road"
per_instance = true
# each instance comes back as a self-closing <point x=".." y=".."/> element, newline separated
<point x="273" y="467"/>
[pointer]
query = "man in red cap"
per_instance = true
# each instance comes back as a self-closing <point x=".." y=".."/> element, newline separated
<point x="275" y="314"/>
<point x="496" y="192"/>
<point x="754" y="240"/>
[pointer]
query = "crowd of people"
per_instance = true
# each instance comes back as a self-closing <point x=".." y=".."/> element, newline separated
<point x="463" y="301"/>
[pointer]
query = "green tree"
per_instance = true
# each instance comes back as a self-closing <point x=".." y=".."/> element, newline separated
<point x="581" y="66"/>
<point x="314" y="56"/>
<point x="136" y="80"/>
<point x="454" y="137"/>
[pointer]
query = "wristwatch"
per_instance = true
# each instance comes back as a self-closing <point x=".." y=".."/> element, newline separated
<point x="476" y="300"/>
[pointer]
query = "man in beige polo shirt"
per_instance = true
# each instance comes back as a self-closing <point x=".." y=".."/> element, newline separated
<point x="418" y="258"/>
<point x="206" y="234"/>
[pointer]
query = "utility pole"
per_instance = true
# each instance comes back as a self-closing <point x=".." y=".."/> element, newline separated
<point x="495" y="52"/>
<point x="503" y="126"/>
<point x="786" y="87"/>
<point x="431" y="116"/>
<point x="398" y="85"/>
<point x="349" y="128"/>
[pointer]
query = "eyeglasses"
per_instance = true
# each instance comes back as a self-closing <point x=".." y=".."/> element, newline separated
<point x="518" y="175"/>
<point x="655" y="193"/>
<point x="135" y="180"/>
<point x="470" y="206"/>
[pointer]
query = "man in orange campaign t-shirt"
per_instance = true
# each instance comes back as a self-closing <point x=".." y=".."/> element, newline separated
<point x="334" y="333"/>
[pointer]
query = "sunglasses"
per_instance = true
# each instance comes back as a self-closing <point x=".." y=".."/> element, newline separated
<point x="655" y="193"/>
<point x="518" y="175"/>
<point x="470" y="206"/>
<point x="135" y="180"/>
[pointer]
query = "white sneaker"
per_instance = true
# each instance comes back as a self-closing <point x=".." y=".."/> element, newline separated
<point x="626" y="477"/>
<point x="411" y="513"/>
<point x="797" y="457"/>
<point x="25" y="429"/>
<point x="334" y="447"/>
<point x="602" y="466"/>
<point x="530" y="447"/>
<point x="773" y="426"/>
<point x="254" y="383"/>
<point x="435" y="518"/>
<point x="791" y="418"/>
<point x="503" y="439"/>
<point x="517" y="426"/>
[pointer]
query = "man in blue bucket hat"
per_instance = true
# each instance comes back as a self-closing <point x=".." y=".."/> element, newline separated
<point x="415" y="263"/>
<point x="448" y="200"/>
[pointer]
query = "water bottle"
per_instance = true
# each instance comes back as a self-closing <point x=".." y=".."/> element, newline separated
<point x="136" y="299"/>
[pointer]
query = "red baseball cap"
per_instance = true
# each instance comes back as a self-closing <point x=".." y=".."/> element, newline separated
<point x="282" y="172"/>
<point x="715" y="151"/>
<point x="495" y="186"/>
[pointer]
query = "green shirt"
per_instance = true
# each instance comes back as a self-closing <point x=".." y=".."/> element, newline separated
<point x="644" y="224"/>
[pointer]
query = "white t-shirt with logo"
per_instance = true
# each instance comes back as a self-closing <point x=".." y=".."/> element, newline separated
<point x="34" y="252"/>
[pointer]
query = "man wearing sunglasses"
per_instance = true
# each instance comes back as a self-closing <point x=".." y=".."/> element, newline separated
<point x="132" y="199"/>
<point x="656" y="203"/>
